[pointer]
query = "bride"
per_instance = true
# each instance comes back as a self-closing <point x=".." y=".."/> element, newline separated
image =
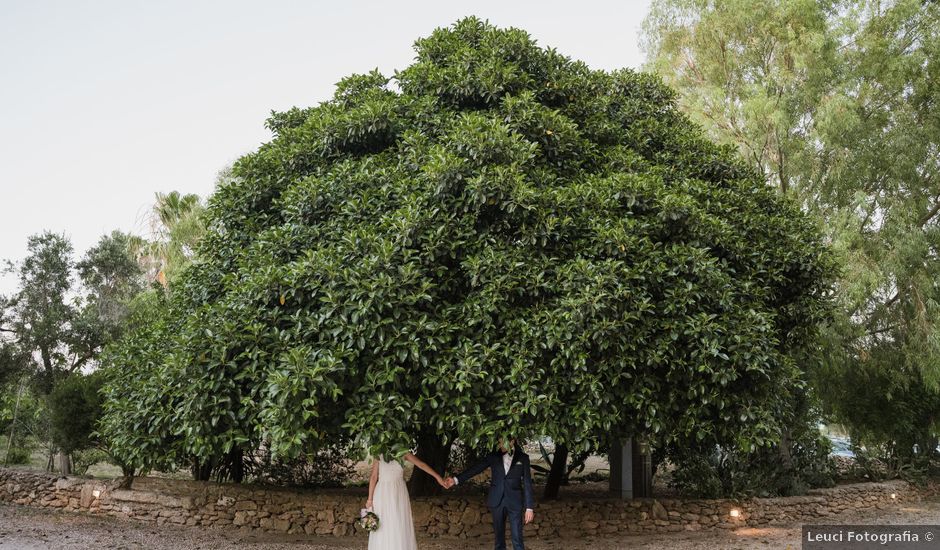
<point x="388" y="498"/>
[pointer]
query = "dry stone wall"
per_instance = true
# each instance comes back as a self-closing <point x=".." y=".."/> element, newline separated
<point x="334" y="512"/>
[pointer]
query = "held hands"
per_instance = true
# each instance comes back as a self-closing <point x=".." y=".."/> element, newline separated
<point x="445" y="482"/>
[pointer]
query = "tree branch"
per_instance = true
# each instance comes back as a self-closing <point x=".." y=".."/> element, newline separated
<point x="930" y="214"/>
<point x="81" y="361"/>
<point x="881" y="330"/>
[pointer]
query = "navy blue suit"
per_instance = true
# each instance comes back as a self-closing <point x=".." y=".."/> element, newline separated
<point x="509" y="496"/>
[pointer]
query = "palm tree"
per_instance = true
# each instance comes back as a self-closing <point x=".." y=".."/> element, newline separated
<point x="176" y="227"/>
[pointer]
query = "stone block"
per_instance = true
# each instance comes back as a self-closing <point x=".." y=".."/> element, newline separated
<point x="659" y="512"/>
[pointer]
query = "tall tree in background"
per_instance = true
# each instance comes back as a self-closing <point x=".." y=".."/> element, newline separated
<point x="54" y="328"/>
<point x="752" y="72"/>
<point x="12" y="361"/>
<point x="111" y="278"/>
<point x="176" y="227"/>
<point x="837" y="103"/>
<point x="40" y="316"/>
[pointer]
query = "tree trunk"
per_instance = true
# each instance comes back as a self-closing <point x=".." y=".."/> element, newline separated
<point x="128" y="471"/>
<point x="786" y="459"/>
<point x="557" y="474"/>
<point x="16" y="409"/>
<point x="436" y="454"/>
<point x="202" y="470"/>
<point x="64" y="463"/>
<point x="237" y="465"/>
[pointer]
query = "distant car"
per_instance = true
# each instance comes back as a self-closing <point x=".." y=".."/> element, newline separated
<point x="841" y="446"/>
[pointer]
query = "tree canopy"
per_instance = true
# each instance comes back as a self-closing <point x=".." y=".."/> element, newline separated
<point x="497" y="240"/>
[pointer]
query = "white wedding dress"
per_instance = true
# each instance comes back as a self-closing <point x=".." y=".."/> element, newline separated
<point x="391" y="503"/>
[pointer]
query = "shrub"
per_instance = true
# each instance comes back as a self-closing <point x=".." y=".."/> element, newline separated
<point x="86" y="458"/>
<point x="74" y="409"/>
<point x="732" y="472"/>
<point x="17" y="455"/>
<point x="328" y="467"/>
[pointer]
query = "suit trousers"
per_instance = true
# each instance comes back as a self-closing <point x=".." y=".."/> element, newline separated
<point x="500" y="514"/>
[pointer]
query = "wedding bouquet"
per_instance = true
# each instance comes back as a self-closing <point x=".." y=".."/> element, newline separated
<point x="368" y="520"/>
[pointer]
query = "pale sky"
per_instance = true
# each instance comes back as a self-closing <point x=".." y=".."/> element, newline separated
<point x="104" y="103"/>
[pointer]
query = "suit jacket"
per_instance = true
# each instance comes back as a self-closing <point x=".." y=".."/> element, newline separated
<point x="514" y="489"/>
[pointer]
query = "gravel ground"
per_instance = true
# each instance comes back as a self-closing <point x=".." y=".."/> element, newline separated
<point x="24" y="528"/>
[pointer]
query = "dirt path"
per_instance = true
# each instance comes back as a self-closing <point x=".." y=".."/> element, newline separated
<point x="25" y="528"/>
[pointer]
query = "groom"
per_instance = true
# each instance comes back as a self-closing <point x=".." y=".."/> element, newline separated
<point x="510" y="493"/>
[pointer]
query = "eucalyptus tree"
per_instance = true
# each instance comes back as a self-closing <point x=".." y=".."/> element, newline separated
<point x="836" y="103"/>
<point x="497" y="242"/>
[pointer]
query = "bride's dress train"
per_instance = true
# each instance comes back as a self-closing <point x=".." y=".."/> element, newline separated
<point x="391" y="503"/>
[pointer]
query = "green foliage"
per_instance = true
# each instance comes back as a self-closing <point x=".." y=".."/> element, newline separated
<point x="502" y="240"/>
<point x="836" y="104"/>
<point x="752" y="72"/>
<point x="722" y="472"/>
<point x="13" y="364"/>
<point x="16" y="456"/>
<point x="24" y="416"/>
<point x="140" y="392"/>
<point x="74" y="409"/>
<point x="888" y="413"/>
<point x="39" y="317"/>
<point x="111" y="277"/>
<point x="86" y="458"/>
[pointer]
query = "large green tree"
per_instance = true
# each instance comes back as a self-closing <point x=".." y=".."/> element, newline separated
<point x="501" y="241"/>
<point x="836" y="103"/>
